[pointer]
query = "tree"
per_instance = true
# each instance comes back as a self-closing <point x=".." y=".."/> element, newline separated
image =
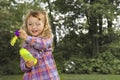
<point x="95" y="12"/>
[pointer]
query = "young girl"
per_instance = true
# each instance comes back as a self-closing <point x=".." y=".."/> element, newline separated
<point x="37" y="37"/>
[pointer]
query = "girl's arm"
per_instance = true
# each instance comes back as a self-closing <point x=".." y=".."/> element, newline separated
<point x="23" y="66"/>
<point x="39" y="43"/>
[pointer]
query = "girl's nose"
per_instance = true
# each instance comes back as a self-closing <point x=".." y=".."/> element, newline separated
<point x="34" y="26"/>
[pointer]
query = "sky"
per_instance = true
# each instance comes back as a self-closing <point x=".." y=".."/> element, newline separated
<point x="22" y="1"/>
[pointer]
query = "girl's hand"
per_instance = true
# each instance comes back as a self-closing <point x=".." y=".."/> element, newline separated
<point x="29" y="64"/>
<point x="23" y="35"/>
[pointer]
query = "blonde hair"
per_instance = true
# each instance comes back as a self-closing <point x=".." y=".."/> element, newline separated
<point x="41" y="15"/>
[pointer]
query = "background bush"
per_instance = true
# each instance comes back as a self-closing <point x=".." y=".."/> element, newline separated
<point x="105" y="63"/>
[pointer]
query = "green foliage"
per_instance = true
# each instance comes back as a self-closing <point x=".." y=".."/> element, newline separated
<point x="7" y="52"/>
<point x="12" y="67"/>
<point x="59" y="60"/>
<point x="114" y="47"/>
<point x="75" y="48"/>
<point x="9" y="56"/>
<point x="105" y="63"/>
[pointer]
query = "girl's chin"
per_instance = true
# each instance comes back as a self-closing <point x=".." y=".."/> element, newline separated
<point x="35" y="35"/>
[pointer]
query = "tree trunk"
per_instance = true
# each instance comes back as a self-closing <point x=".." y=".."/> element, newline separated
<point x="100" y="30"/>
<point x="93" y="32"/>
<point x="110" y="30"/>
<point x="52" y="25"/>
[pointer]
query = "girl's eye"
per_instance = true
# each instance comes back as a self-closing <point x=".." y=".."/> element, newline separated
<point x="38" y="24"/>
<point x="29" y="24"/>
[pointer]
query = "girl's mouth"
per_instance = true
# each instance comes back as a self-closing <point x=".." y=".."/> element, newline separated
<point x="34" y="31"/>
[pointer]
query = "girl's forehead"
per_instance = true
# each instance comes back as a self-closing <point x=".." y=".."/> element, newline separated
<point x="36" y="18"/>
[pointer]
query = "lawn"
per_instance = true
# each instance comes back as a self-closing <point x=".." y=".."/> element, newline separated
<point x="90" y="77"/>
<point x="70" y="77"/>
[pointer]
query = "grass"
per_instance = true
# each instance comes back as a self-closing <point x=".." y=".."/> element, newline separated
<point x="11" y="77"/>
<point x="70" y="77"/>
<point x="90" y="77"/>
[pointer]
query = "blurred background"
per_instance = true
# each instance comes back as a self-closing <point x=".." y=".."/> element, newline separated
<point x="86" y="35"/>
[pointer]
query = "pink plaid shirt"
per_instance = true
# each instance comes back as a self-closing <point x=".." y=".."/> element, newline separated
<point x="45" y="69"/>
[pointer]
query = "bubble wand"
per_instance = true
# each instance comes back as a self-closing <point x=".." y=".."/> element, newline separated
<point x="25" y="54"/>
<point x="14" y="39"/>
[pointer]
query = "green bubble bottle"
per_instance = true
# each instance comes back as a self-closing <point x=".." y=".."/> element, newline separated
<point x="27" y="56"/>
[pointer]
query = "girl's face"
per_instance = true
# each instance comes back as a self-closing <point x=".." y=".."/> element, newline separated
<point x="35" y="26"/>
